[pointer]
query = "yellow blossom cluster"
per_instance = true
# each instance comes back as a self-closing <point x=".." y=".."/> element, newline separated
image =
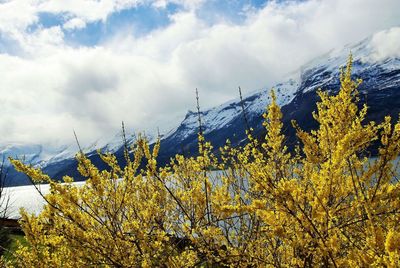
<point x="324" y="204"/>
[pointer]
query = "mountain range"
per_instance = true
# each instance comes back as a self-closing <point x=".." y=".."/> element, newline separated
<point x="297" y="95"/>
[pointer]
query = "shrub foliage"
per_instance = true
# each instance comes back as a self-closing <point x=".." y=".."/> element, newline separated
<point x="324" y="204"/>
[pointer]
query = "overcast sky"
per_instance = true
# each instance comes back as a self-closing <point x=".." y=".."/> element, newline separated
<point x="89" y="64"/>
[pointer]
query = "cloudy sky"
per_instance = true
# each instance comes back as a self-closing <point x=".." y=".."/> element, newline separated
<point x="89" y="64"/>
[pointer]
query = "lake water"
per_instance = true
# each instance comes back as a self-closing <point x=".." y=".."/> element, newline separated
<point x="30" y="199"/>
<point x="27" y="197"/>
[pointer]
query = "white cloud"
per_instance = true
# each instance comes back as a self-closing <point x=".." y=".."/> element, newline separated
<point x="75" y="23"/>
<point x="51" y="88"/>
<point x="16" y="15"/>
<point x="386" y="44"/>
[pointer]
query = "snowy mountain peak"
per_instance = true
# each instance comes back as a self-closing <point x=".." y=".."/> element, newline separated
<point x="376" y="61"/>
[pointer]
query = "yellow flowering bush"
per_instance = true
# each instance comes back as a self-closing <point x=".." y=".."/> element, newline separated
<point x="325" y="204"/>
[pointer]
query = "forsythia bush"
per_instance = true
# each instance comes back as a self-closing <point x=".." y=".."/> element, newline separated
<point x="324" y="205"/>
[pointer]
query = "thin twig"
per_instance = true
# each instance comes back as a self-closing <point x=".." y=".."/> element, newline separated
<point x="201" y="144"/>
<point x="246" y="121"/>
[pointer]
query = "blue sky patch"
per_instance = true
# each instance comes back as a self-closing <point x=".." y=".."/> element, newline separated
<point x="47" y="19"/>
<point x="141" y="20"/>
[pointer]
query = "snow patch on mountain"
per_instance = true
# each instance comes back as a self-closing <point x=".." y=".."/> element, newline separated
<point x="221" y="116"/>
<point x="380" y="50"/>
<point x="33" y="153"/>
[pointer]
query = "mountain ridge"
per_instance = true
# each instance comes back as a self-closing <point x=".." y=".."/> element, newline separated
<point x="296" y="95"/>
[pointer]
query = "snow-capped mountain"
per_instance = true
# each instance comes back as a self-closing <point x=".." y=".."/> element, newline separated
<point x="57" y="159"/>
<point x="42" y="155"/>
<point x="222" y="115"/>
<point x="297" y="96"/>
